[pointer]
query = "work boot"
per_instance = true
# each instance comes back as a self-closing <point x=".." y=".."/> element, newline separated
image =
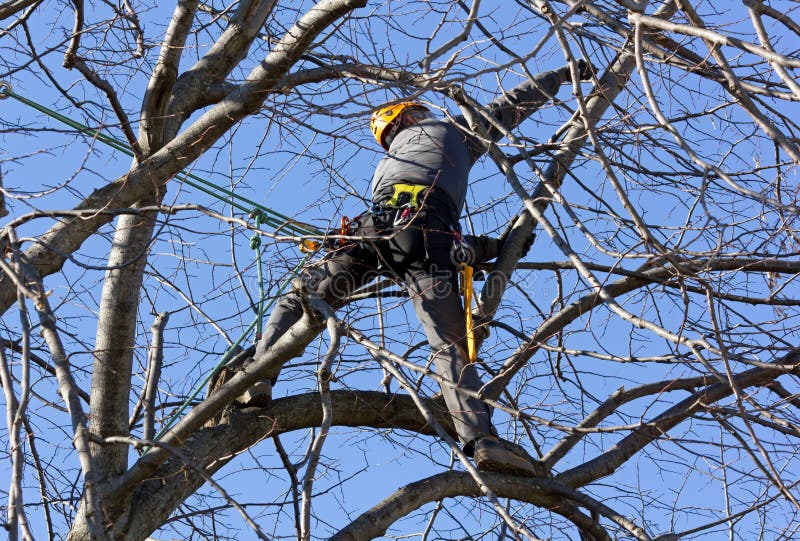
<point x="496" y="455"/>
<point x="258" y="395"/>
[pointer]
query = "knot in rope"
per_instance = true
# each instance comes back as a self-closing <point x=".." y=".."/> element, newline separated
<point x="259" y="216"/>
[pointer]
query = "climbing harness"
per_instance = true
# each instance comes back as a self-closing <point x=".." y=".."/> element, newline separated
<point x="405" y="200"/>
<point x="406" y="196"/>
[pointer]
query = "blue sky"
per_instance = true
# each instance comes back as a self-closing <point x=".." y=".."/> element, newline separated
<point x="276" y="160"/>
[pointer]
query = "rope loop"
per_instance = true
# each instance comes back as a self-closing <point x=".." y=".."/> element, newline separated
<point x="259" y="216"/>
<point x="5" y="90"/>
<point x="255" y="242"/>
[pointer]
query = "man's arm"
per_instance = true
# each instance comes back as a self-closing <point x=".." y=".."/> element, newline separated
<point x="481" y="248"/>
<point x="514" y="106"/>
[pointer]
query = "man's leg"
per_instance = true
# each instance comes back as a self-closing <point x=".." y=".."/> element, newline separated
<point x="332" y="278"/>
<point x="439" y="309"/>
<point x="433" y="285"/>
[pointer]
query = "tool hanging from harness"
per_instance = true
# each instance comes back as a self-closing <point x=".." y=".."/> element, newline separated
<point x="465" y="273"/>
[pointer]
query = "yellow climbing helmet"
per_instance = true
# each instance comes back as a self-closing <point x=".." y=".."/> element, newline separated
<point x="381" y="123"/>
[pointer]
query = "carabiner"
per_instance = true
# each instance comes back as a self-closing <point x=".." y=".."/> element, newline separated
<point x="402" y="215"/>
<point x="5" y="90"/>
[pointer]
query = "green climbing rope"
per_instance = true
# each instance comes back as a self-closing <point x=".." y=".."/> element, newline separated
<point x="270" y="216"/>
<point x="260" y="214"/>
<point x="230" y="351"/>
<point x="255" y="244"/>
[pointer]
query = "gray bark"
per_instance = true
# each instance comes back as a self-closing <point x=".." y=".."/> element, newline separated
<point x="114" y="344"/>
<point x="128" y="258"/>
<point x="7" y="9"/>
<point x="213" y="447"/>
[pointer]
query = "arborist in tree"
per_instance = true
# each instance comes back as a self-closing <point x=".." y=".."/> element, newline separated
<point x="411" y="233"/>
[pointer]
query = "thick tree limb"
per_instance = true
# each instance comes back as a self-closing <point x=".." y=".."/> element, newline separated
<point x="114" y="341"/>
<point x="540" y="492"/>
<point x="214" y="447"/>
<point x="152" y="117"/>
<point x="48" y="255"/>
<point x="226" y="53"/>
<point x="7" y="9"/>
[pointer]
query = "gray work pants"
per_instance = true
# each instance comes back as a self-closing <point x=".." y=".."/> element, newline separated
<point x="417" y="252"/>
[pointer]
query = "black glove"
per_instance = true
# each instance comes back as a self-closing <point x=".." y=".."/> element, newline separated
<point x="528" y="241"/>
<point x="586" y="70"/>
<point x="474" y="249"/>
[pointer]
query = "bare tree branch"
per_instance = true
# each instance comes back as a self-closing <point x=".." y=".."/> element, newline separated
<point x="7" y="9"/>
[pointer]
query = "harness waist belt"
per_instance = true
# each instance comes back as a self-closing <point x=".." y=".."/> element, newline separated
<point x="414" y="197"/>
<point x="406" y="195"/>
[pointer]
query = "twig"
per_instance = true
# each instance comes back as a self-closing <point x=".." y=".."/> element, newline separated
<point x="387" y="377"/>
<point x="40" y="362"/>
<point x="16" y="509"/>
<point x="40" y="474"/>
<point x="324" y="377"/>
<point x="291" y="470"/>
<point x="472" y="17"/>
<point x="155" y="358"/>
<point x="124" y="122"/>
<point x="766" y="43"/>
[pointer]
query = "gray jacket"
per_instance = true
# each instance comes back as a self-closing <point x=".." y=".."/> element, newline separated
<point x="441" y="153"/>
